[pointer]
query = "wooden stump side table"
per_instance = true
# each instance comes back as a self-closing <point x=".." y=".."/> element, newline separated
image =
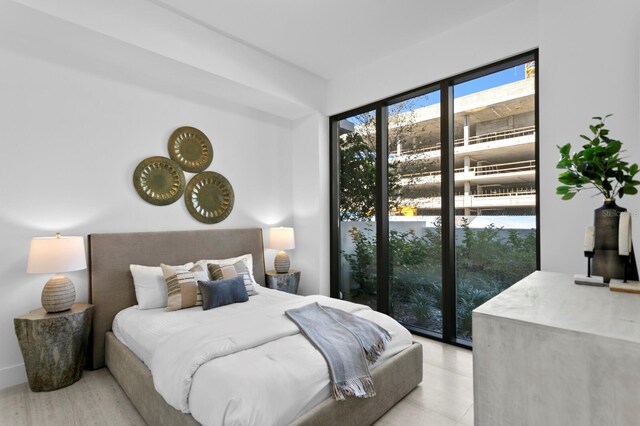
<point x="288" y="281"/>
<point x="54" y="345"/>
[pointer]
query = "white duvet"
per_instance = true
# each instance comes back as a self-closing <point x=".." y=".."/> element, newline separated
<point x="241" y="364"/>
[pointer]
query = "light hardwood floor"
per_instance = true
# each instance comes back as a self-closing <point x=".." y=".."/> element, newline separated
<point x="445" y="397"/>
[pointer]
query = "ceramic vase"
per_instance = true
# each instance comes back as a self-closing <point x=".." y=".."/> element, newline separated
<point x="606" y="261"/>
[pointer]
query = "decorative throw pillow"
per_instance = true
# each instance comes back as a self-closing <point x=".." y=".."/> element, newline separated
<point x="151" y="290"/>
<point x="243" y="271"/>
<point x="182" y="286"/>
<point x="219" y="272"/>
<point x="222" y="292"/>
<point x="247" y="259"/>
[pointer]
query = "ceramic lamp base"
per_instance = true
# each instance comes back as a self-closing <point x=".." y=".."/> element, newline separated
<point x="58" y="294"/>
<point x="282" y="262"/>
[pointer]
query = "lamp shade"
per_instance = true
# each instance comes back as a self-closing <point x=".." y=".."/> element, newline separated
<point x="281" y="238"/>
<point x="56" y="254"/>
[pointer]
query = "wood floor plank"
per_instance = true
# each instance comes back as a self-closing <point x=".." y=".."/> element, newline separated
<point x="94" y="400"/>
<point x="408" y="413"/>
<point x="445" y="397"/>
<point x="13" y="410"/>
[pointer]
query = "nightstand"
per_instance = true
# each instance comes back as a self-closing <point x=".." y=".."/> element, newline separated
<point x="54" y="345"/>
<point x="289" y="281"/>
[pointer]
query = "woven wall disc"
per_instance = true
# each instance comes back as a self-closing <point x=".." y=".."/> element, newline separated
<point x="159" y="181"/>
<point x="209" y="197"/>
<point x="191" y="149"/>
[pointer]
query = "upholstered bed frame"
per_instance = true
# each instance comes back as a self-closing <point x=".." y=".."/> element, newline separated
<point x="111" y="290"/>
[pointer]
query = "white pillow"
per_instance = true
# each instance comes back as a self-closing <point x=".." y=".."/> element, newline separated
<point x="151" y="290"/>
<point x="247" y="259"/>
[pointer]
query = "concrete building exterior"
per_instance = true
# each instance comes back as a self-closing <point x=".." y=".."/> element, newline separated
<point x="494" y="148"/>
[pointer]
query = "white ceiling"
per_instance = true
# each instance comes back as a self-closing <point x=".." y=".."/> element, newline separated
<point x="330" y="37"/>
<point x="275" y="56"/>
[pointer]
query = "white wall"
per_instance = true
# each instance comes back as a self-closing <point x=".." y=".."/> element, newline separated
<point x="137" y="38"/>
<point x="589" y="65"/>
<point x="71" y="142"/>
<point x="486" y="39"/>
<point x="310" y="169"/>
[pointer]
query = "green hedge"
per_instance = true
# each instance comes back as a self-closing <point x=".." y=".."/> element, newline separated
<point x="488" y="261"/>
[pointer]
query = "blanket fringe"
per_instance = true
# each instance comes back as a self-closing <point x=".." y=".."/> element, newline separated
<point x="373" y="353"/>
<point x="360" y="387"/>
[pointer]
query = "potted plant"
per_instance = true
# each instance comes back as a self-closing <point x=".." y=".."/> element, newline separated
<point x="598" y="166"/>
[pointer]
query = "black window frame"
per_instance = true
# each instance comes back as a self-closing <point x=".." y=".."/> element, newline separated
<point x="445" y="86"/>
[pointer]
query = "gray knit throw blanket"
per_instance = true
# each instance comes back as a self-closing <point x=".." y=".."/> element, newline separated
<point x="347" y="342"/>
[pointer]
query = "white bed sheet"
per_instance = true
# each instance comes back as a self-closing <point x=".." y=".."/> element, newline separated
<point x="143" y="330"/>
<point x="264" y="385"/>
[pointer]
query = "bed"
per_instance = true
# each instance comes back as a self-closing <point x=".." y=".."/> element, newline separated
<point x="112" y="291"/>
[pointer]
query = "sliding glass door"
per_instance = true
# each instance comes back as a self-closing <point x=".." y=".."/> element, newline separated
<point x="414" y="194"/>
<point x="434" y="197"/>
<point x="495" y="185"/>
<point x="357" y="208"/>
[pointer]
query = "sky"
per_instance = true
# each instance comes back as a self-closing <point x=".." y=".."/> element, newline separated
<point x="499" y="78"/>
<point x="490" y="81"/>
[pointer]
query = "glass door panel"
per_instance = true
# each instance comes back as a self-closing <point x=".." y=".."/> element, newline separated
<point x="357" y="186"/>
<point x="414" y="191"/>
<point x="495" y="186"/>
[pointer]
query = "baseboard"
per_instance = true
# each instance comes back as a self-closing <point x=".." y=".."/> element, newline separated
<point x="13" y="375"/>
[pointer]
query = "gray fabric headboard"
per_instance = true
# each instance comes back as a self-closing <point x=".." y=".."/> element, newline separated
<point x="111" y="283"/>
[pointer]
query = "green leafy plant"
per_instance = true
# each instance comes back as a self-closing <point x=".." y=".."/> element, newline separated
<point x="358" y="179"/>
<point x="488" y="261"/>
<point x="471" y="294"/>
<point x="598" y="165"/>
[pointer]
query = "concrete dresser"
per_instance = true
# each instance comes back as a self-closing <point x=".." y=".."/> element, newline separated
<point x="549" y="352"/>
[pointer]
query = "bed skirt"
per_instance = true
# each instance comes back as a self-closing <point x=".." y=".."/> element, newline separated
<point x="393" y="380"/>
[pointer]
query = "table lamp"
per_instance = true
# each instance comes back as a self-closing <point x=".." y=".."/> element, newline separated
<point x="55" y="255"/>
<point x="281" y="239"/>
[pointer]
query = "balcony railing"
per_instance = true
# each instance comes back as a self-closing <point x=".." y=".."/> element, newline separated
<point x="504" y="193"/>
<point x="489" y="169"/>
<point x="516" y="166"/>
<point x="487" y="137"/>
<point x="494" y="136"/>
<point x="507" y="198"/>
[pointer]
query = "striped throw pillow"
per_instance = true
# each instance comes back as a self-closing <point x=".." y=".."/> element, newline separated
<point x="247" y="259"/>
<point x="219" y="272"/>
<point x="182" y="286"/>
